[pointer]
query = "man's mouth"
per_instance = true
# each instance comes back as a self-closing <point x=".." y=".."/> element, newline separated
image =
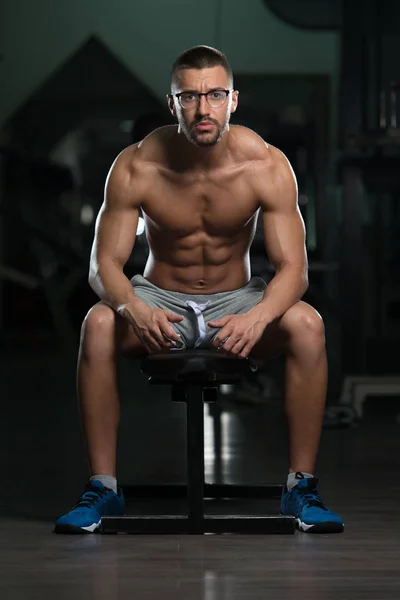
<point x="205" y="126"/>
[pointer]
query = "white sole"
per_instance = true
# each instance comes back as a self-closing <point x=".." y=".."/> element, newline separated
<point x="91" y="528"/>
<point x="330" y="527"/>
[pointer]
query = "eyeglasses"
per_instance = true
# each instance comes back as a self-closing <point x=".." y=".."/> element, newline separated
<point x="215" y="98"/>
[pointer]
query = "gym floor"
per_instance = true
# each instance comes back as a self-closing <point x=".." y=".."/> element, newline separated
<point x="43" y="471"/>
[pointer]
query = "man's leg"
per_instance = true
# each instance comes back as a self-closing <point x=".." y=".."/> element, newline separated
<point x="104" y="336"/>
<point x="299" y="335"/>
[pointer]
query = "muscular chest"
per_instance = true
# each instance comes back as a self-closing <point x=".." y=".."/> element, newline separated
<point x="184" y="205"/>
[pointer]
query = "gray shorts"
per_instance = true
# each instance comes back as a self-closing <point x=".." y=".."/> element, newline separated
<point x="198" y="309"/>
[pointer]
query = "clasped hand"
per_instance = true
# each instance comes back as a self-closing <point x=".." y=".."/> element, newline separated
<point x="153" y="327"/>
<point x="238" y="333"/>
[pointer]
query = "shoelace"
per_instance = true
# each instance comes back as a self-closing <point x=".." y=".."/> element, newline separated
<point x="89" y="498"/>
<point x="312" y="499"/>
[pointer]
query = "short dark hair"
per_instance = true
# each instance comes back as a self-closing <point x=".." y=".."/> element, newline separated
<point x="201" y="57"/>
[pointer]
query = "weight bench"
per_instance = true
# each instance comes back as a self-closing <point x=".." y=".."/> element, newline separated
<point x="194" y="376"/>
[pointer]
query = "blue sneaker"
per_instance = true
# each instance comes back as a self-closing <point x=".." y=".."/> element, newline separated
<point x="303" y="502"/>
<point x="95" y="502"/>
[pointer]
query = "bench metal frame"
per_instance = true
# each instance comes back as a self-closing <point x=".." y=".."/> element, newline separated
<point x="195" y="388"/>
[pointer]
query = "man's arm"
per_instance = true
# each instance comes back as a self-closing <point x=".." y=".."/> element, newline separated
<point x="284" y="237"/>
<point x="115" y="235"/>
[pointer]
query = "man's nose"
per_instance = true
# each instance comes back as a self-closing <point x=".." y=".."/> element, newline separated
<point x="203" y="106"/>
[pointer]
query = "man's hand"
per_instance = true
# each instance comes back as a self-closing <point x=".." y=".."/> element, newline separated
<point x="152" y="326"/>
<point x="238" y="333"/>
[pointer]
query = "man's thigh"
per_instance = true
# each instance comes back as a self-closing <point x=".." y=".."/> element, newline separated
<point x="277" y="336"/>
<point x="273" y="342"/>
<point x="127" y="343"/>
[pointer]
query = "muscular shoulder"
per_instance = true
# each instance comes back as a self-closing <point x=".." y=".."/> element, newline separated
<point x="153" y="149"/>
<point x="271" y="173"/>
<point x="147" y="153"/>
<point x="136" y="165"/>
<point x="251" y="147"/>
<point x="247" y="145"/>
<point x="123" y="183"/>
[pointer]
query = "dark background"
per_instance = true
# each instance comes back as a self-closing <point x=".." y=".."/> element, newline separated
<point x="316" y="78"/>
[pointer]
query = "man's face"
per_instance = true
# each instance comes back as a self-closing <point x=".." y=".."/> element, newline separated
<point x="201" y="123"/>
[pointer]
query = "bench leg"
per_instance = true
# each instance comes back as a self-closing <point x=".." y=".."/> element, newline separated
<point x="195" y="456"/>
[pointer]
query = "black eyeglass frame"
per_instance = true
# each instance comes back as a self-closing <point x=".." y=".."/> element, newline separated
<point x="199" y="94"/>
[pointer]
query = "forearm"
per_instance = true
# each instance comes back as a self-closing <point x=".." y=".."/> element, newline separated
<point x="112" y="286"/>
<point x="285" y="289"/>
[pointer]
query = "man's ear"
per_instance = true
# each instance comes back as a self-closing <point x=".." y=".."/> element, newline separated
<point x="171" y="104"/>
<point x="235" y="100"/>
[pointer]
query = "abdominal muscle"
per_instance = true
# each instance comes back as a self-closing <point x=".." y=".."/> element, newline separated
<point x="197" y="269"/>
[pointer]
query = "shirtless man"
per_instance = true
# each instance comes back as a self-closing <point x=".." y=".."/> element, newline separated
<point x="201" y="186"/>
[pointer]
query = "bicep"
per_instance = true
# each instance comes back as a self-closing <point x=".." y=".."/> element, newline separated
<point x="284" y="236"/>
<point x="117" y="221"/>
<point x="283" y="225"/>
<point x="115" y="233"/>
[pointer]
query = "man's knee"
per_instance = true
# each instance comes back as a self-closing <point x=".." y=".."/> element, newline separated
<point x="304" y="322"/>
<point x="99" y="324"/>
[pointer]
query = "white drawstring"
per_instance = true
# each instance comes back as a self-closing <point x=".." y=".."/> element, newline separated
<point x="201" y="324"/>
